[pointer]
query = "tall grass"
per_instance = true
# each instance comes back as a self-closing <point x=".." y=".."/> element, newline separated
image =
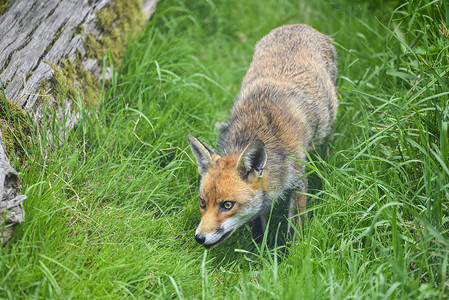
<point x="112" y="206"/>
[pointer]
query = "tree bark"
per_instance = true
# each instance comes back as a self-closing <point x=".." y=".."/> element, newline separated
<point x="11" y="209"/>
<point x="38" y="33"/>
<point x="40" y="39"/>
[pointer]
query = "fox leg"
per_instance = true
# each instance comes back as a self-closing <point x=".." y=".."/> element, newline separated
<point x="259" y="226"/>
<point x="298" y="204"/>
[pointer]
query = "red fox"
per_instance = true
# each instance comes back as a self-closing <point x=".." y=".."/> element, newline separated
<point x="287" y="101"/>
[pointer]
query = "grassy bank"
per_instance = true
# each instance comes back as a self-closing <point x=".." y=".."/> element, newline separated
<point x="112" y="206"/>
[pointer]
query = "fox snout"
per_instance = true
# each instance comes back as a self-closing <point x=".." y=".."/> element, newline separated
<point x="200" y="238"/>
<point x="212" y="239"/>
<point x="212" y="231"/>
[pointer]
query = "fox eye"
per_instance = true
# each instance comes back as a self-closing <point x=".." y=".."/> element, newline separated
<point x="202" y="203"/>
<point x="227" y="205"/>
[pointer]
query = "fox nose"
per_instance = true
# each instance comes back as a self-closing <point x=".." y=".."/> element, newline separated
<point x="200" y="238"/>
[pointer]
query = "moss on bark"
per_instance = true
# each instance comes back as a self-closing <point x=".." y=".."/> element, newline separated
<point x="70" y="78"/>
<point x="117" y="22"/>
<point x="4" y="6"/>
<point x="16" y="129"/>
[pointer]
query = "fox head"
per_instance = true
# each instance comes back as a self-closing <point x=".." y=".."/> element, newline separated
<point x="231" y="189"/>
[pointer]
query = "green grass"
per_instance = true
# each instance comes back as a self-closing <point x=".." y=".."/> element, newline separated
<point x="112" y="206"/>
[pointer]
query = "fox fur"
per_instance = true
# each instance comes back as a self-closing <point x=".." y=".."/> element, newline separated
<point x="287" y="101"/>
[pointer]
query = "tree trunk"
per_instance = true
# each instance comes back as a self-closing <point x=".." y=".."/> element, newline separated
<point x="51" y="50"/>
<point x="37" y="35"/>
<point x="11" y="209"/>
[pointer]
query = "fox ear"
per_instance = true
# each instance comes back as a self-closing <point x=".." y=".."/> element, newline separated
<point x="203" y="154"/>
<point x="252" y="160"/>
